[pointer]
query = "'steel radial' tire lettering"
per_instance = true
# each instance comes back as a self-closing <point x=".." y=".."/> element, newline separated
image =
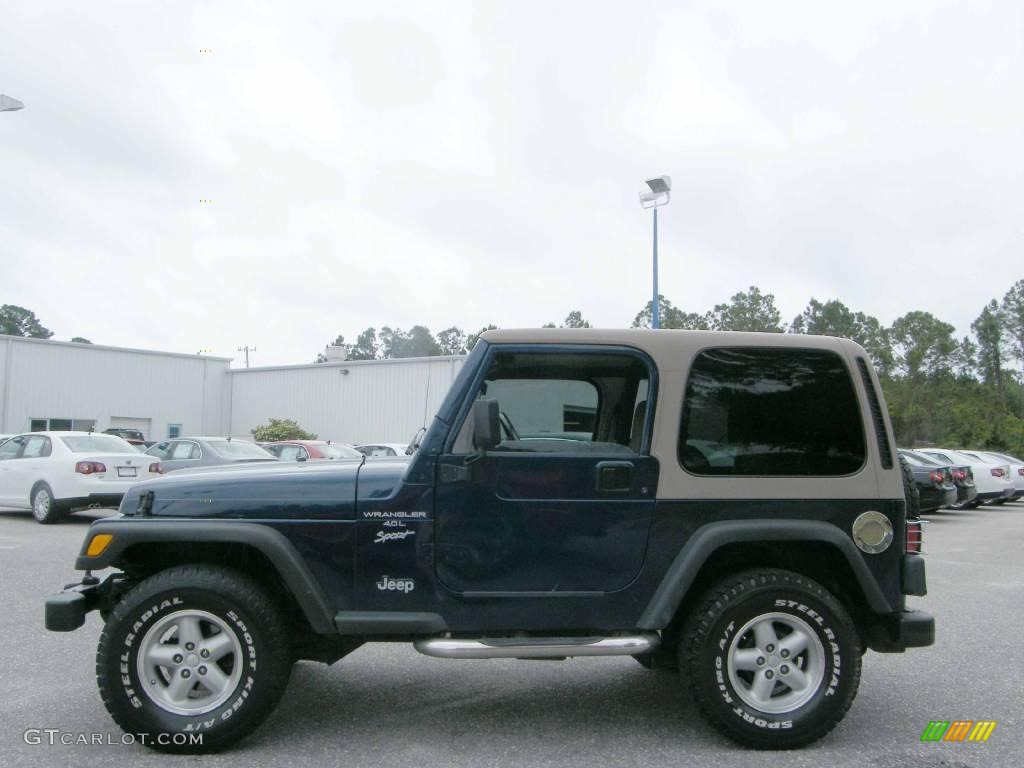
<point x="772" y="658"/>
<point x="195" y="657"/>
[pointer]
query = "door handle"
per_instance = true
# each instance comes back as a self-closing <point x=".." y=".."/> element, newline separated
<point x="615" y="476"/>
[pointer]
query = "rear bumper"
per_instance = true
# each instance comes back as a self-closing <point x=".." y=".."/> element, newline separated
<point x="965" y="494"/>
<point x="908" y="629"/>
<point x="93" y="500"/>
<point x="1004" y="493"/>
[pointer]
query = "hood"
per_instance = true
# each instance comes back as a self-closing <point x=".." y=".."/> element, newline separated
<point x="271" y="490"/>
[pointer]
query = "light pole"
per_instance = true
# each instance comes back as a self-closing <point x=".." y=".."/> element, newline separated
<point x="7" y="104"/>
<point x="658" y="195"/>
<point x="247" y="349"/>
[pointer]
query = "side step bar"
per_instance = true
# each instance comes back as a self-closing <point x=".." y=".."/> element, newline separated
<point x="537" y="647"/>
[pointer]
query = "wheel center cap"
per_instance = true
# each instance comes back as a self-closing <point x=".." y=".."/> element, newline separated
<point x="192" y="660"/>
<point x="773" y="660"/>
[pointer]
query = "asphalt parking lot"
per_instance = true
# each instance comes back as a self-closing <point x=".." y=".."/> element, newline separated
<point x="388" y="706"/>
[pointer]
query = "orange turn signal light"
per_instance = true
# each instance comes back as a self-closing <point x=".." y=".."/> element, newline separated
<point x="98" y="544"/>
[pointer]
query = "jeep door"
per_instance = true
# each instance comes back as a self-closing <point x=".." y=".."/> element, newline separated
<point x="563" y="504"/>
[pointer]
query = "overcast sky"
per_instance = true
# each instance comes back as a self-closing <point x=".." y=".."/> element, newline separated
<point x="464" y="163"/>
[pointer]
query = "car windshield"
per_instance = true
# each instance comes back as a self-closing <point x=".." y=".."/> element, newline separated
<point x="238" y="449"/>
<point x="339" y="452"/>
<point x="93" y="443"/>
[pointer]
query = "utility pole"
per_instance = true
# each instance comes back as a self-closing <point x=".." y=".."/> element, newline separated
<point x="247" y="349"/>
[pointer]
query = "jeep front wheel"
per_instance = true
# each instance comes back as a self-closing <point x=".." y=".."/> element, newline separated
<point x="193" y="659"/>
<point x="772" y="658"/>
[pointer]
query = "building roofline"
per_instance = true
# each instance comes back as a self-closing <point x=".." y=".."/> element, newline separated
<point x="346" y="363"/>
<point x="108" y="348"/>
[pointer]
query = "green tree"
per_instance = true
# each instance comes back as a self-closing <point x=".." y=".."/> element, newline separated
<point x="80" y="340"/>
<point x="417" y="342"/>
<point x="452" y="341"/>
<point x="366" y="346"/>
<point x="575" y="320"/>
<point x="988" y="330"/>
<point x="473" y="338"/>
<point x="1013" y="317"/>
<point x="280" y="429"/>
<point x="833" y="318"/>
<point x="670" y="316"/>
<point x="18" y="321"/>
<point x="966" y="359"/>
<point x="923" y="345"/>
<point x="747" y="311"/>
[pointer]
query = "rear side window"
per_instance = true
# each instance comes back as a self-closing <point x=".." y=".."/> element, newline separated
<point x="182" y="451"/>
<point x="752" y="411"/>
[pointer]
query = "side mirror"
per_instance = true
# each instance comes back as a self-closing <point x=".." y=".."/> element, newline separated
<point x="486" y="425"/>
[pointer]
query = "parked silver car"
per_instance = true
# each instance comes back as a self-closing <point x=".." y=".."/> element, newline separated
<point x="188" y="452"/>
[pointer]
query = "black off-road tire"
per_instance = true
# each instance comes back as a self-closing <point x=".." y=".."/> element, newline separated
<point x="910" y="491"/>
<point x="241" y="606"/>
<point x="711" y="632"/>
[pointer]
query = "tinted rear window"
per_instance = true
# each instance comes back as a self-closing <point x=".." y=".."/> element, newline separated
<point x="766" y="412"/>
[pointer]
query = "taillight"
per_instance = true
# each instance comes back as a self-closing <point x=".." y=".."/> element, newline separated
<point x="997" y="472"/>
<point x="915" y="537"/>
<point x="936" y="477"/>
<point x="1020" y="471"/>
<point x="89" y="467"/>
<point x="959" y="474"/>
<point x="156" y="467"/>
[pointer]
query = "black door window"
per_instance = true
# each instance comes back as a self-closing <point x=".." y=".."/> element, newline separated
<point x="567" y="402"/>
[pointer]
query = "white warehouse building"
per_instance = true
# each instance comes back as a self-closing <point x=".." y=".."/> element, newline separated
<point x="48" y="384"/>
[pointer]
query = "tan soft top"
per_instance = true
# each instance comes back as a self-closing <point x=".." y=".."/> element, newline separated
<point x="668" y="346"/>
<point x="673" y="352"/>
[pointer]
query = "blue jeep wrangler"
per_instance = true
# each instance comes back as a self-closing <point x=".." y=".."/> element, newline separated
<point x="729" y="505"/>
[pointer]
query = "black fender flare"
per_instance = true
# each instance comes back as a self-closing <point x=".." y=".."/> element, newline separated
<point x="271" y="543"/>
<point x="705" y="540"/>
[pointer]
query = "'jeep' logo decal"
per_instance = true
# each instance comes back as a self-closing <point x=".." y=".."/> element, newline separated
<point x="387" y="584"/>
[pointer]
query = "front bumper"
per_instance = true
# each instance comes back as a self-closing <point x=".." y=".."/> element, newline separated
<point x="897" y="633"/>
<point x="66" y="610"/>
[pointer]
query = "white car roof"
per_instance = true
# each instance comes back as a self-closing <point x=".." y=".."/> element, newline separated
<point x="959" y="455"/>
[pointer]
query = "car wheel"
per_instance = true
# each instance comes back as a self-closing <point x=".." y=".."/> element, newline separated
<point x="195" y="657"/>
<point x="45" y="508"/>
<point x="772" y="658"/>
<point x="911" y="493"/>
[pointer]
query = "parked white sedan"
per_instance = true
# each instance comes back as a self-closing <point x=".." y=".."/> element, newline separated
<point x="52" y="473"/>
<point x="991" y="478"/>
<point x="1015" y="465"/>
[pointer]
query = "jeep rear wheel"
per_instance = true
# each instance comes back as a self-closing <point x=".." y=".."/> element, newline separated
<point x="195" y="657"/>
<point x="772" y="658"/>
